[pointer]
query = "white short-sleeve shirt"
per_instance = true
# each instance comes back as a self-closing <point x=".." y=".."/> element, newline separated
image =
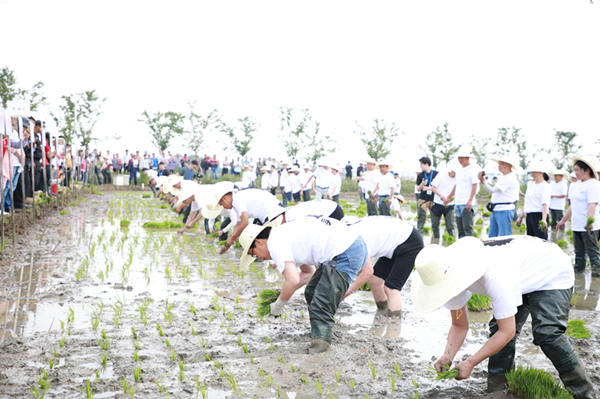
<point x="310" y="241"/>
<point x="382" y="234"/>
<point x="386" y="184"/>
<point x="508" y="185"/>
<point x="584" y="193"/>
<point x="444" y="184"/>
<point x="372" y="178"/>
<point x="254" y="202"/>
<point x="523" y="264"/>
<point x="316" y="208"/>
<point x="537" y="194"/>
<point x="559" y="188"/>
<point x="465" y="178"/>
<point x="336" y="185"/>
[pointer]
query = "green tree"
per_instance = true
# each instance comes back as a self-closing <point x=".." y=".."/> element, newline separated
<point x="9" y="90"/>
<point x="379" y="141"/>
<point x="240" y="142"/>
<point x="196" y="127"/>
<point x="440" y="146"/>
<point x="513" y="142"/>
<point x="479" y="148"/>
<point x="303" y="135"/>
<point x="163" y="127"/>
<point x="78" y="115"/>
<point x="563" y="150"/>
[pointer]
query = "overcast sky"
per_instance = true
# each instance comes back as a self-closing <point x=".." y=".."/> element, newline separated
<point x="477" y="65"/>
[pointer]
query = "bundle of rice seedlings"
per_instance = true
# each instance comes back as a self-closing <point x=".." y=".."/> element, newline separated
<point x="162" y="225"/>
<point x="577" y="329"/>
<point x="479" y="221"/>
<point x="543" y="225"/>
<point x="531" y="383"/>
<point x="212" y="235"/>
<point x="562" y="243"/>
<point x="146" y="196"/>
<point x="221" y="243"/>
<point x="365" y="287"/>
<point x="479" y="303"/>
<point x="265" y="299"/>
<point x="444" y="375"/>
<point x="125" y="223"/>
<point x="574" y="298"/>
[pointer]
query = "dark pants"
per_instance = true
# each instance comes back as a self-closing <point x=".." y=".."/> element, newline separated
<point x="555" y="216"/>
<point x="306" y="195"/>
<point x="384" y="208"/>
<point x="586" y="243"/>
<point x="423" y="207"/>
<point x="371" y="207"/>
<point x="297" y="196"/>
<point x="48" y="178"/>
<point x="39" y="178"/>
<point x="186" y="213"/>
<point x="274" y="190"/>
<point x="533" y="225"/>
<point x="338" y="213"/>
<point x="107" y="177"/>
<point x="437" y="211"/>
<point x="550" y="315"/>
<point x="28" y="183"/>
<point x="18" y="200"/>
<point x="464" y="223"/>
<point x="133" y="175"/>
<point x="395" y="271"/>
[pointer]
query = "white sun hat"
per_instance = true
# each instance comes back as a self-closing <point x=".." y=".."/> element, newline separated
<point x="275" y="211"/>
<point x="573" y="175"/>
<point x="510" y="159"/>
<point x="589" y="161"/>
<point x="333" y="165"/>
<point x="172" y="180"/>
<point x="306" y="166"/>
<point x="265" y="169"/>
<point x="561" y="172"/>
<point x="160" y="180"/>
<point x="464" y="151"/>
<point x="370" y="160"/>
<point x="212" y="208"/>
<point x="387" y="162"/>
<point x="247" y="238"/>
<point x="400" y="198"/>
<point x="443" y="273"/>
<point x="294" y="168"/>
<point x="184" y="194"/>
<point x="538" y="166"/>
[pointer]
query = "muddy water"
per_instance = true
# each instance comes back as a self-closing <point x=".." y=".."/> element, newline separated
<point x="101" y="273"/>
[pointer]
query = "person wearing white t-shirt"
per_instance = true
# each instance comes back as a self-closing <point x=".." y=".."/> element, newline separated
<point x="537" y="199"/>
<point x="323" y="179"/>
<point x="467" y="186"/>
<point x="504" y="194"/>
<point x="336" y="184"/>
<point x="361" y="185"/>
<point x="572" y="186"/>
<point x="246" y="178"/>
<point x="307" y="179"/>
<point x="316" y="208"/>
<point x="441" y="186"/>
<point x="371" y="178"/>
<point x="398" y="184"/>
<point x="265" y="178"/>
<point x="583" y="210"/>
<point x="195" y="197"/>
<point x="296" y="184"/>
<point x="338" y="252"/>
<point x="274" y="179"/>
<point x="395" y="243"/>
<point x="395" y="208"/>
<point x="285" y="184"/>
<point x="558" y="197"/>
<point x="385" y="188"/>
<point x="522" y="275"/>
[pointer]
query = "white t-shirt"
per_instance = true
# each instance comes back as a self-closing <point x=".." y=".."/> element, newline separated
<point x="397" y="185"/>
<point x="284" y="181"/>
<point x="15" y="137"/>
<point x="316" y="208"/>
<point x="559" y="188"/>
<point x="323" y="177"/>
<point x="254" y="202"/>
<point x="225" y="213"/>
<point x="306" y="179"/>
<point x="296" y="183"/>
<point x="386" y="184"/>
<point x="395" y="207"/>
<point x="361" y="186"/>
<point x="572" y="188"/>
<point x="311" y="241"/>
<point x="585" y="193"/>
<point x="382" y="234"/>
<point x="372" y="178"/>
<point x="246" y="179"/>
<point x="444" y="184"/>
<point x="202" y="192"/>
<point x="536" y="196"/>
<point x="274" y="178"/>
<point x="264" y="181"/>
<point x="523" y="265"/>
<point x="336" y="184"/>
<point x="151" y="174"/>
<point x="506" y="189"/>
<point x="465" y="178"/>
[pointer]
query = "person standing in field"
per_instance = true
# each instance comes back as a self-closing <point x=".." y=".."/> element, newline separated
<point x="558" y="197"/>
<point x="467" y="186"/>
<point x="424" y="191"/>
<point x="537" y="200"/>
<point x="385" y="188"/>
<point x="307" y="177"/>
<point x="442" y="186"/>
<point x="323" y="179"/>
<point x="336" y="183"/>
<point x="371" y="179"/>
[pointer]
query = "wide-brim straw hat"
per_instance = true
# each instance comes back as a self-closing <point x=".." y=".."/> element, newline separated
<point x="247" y="238"/>
<point x="184" y="194"/>
<point x="370" y="160"/>
<point x="538" y="166"/>
<point x="573" y="175"/>
<point x="589" y="161"/>
<point x="212" y="208"/>
<point x="400" y="198"/>
<point x="387" y="162"/>
<point x="510" y="159"/>
<point x="294" y="168"/>
<point x="443" y="273"/>
<point x="464" y="151"/>
<point x="275" y="211"/>
<point x="160" y="180"/>
<point x="561" y="172"/>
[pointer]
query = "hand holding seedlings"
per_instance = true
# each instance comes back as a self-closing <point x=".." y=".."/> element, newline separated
<point x="543" y="225"/>
<point x="589" y="225"/>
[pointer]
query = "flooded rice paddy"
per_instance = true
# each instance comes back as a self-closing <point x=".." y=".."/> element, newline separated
<point x="91" y="309"/>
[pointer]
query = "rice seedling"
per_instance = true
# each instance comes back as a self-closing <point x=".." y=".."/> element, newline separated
<point x="352" y="383"/>
<point x="318" y="382"/>
<point x="135" y="356"/>
<point x="269" y="380"/>
<point x="61" y="342"/>
<point x="162" y="225"/>
<point x="134" y="333"/>
<point x="372" y="368"/>
<point x="168" y="317"/>
<point x="210" y="318"/>
<point x="304" y="379"/>
<point x="271" y="348"/>
<point x="233" y="384"/>
<point x="252" y="359"/>
<point x="589" y="223"/>
<point x="160" y="331"/>
<point x="574" y="298"/>
<point x="265" y="299"/>
<point x="124" y="385"/>
<point x="577" y="329"/>
<point x="479" y="303"/>
<point x="136" y="345"/>
<point x="104" y="344"/>
<point x="281" y="359"/>
<point x="168" y="273"/>
<point x="397" y="369"/>
<point x="447" y="374"/>
<point x="185" y="272"/>
<point x="51" y="363"/>
<point x="168" y="343"/>
<point x="137" y="373"/>
<point x="207" y="357"/>
<point x="532" y="383"/>
<point x="125" y="223"/>
<point x="293" y="368"/>
<point x="393" y="383"/>
<point x="193" y="331"/>
<point x="87" y="389"/>
<point x="337" y="374"/>
<point x="173" y="355"/>
<point x="562" y="244"/>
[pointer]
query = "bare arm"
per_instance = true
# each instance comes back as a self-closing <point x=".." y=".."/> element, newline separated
<point x="456" y="337"/>
<point x="365" y="273"/>
<point x="239" y="228"/>
<point x="291" y="282"/>
<point x="447" y="200"/>
<point x="567" y="216"/>
<point x="470" y="202"/>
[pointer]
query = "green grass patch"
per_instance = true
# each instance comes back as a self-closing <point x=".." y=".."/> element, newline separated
<point x="64" y="212"/>
<point x="146" y="196"/>
<point x="162" y="225"/>
<point x="562" y="243"/>
<point x="479" y="303"/>
<point x="94" y="191"/>
<point x="569" y="232"/>
<point x="479" y="221"/>
<point x="349" y="186"/>
<point x="577" y="329"/>
<point x="426" y="229"/>
<point x="125" y="223"/>
<point x="531" y="383"/>
<point x="264" y="300"/>
<point x="447" y="239"/>
<point x="486" y="214"/>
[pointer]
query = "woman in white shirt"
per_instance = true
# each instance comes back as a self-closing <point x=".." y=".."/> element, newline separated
<point x="504" y="193"/>
<point x="558" y="197"/>
<point x="338" y="252"/>
<point x="584" y="209"/>
<point x="522" y="275"/>
<point x="336" y="184"/>
<point x="537" y="199"/>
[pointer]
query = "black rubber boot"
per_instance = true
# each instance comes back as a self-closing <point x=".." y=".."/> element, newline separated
<point x="317" y="345"/>
<point x="569" y="369"/>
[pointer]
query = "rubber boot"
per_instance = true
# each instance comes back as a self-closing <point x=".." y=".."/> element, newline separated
<point x="566" y="361"/>
<point x="578" y="384"/>
<point x="595" y="262"/>
<point x="321" y="331"/>
<point x="496" y="382"/>
<point x="382" y="305"/>
<point x="317" y="345"/>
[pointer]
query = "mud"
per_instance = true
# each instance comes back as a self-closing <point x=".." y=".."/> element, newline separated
<point x="40" y="289"/>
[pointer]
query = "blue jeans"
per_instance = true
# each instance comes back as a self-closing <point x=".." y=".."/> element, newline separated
<point x="213" y="171"/>
<point x="352" y="260"/>
<point x="501" y="223"/>
<point x="133" y="175"/>
<point x="6" y="192"/>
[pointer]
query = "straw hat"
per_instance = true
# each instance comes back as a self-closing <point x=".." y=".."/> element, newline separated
<point x="464" y="151"/>
<point x="589" y="161"/>
<point x="387" y="162"/>
<point x="183" y="195"/>
<point x="247" y="238"/>
<point x="400" y="198"/>
<point x="442" y="273"/>
<point x="573" y="175"/>
<point x="275" y="211"/>
<point x="265" y="169"/>
<point x="370" y="160"/>
<point x="212" y="208"/>
<point x="294" y="168"/>
<point x="561" y="172"/>
<point x="510" y="159"/>
<point x="160" y="180"/>
<point x="306" y="166"/>
<point x="538" y="166"/>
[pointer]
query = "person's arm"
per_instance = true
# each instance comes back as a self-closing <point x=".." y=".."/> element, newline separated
<point x="365" y="273"/>
<point x="239" y="228"/>
<point x="470" y="202"/>
<point x="456" y="337"/>
<point x="506" y="332"/>
<point x="290" y="285"/>
<point x="489" y="188"/>
<point x="391" y="196"/>
<point x="449" y="197"/>
<point x="591" y="212"/>
<point x="544" y="212"/>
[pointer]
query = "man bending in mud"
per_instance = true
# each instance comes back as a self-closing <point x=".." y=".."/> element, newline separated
<point x="338" y="252"/>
